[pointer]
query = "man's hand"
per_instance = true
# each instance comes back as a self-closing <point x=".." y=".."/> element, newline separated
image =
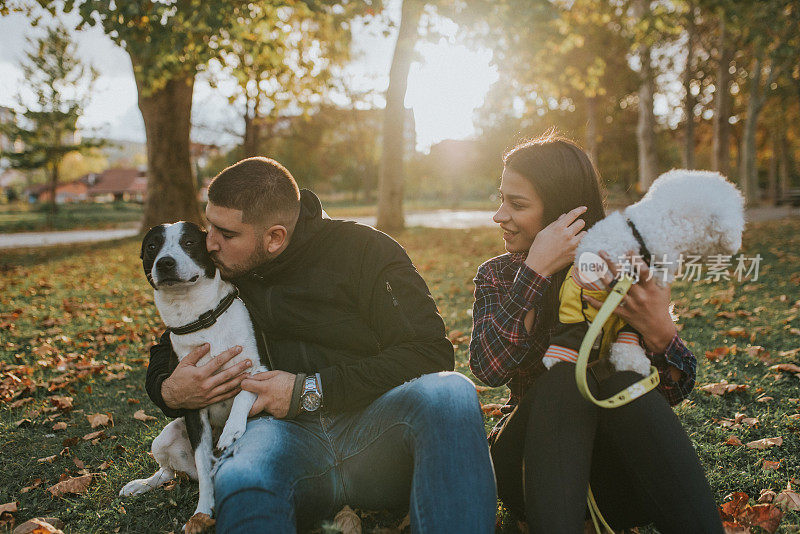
<point x="192" y="387"/>
<point x="274" y="390"/>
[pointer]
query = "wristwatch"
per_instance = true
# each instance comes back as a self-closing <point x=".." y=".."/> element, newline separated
<point x="311" y="398"/>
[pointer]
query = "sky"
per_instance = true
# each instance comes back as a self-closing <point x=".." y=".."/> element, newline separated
<point x="444" y="88"/>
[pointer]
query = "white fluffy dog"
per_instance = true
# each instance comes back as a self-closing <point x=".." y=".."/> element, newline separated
<point x="684" y="213"/>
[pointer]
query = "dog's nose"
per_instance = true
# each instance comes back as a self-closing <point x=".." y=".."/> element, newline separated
<point x="167" y="262"/>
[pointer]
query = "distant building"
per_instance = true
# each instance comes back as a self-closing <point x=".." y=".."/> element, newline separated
<point x="75" y="191"/>
<point x="126" y="184"/>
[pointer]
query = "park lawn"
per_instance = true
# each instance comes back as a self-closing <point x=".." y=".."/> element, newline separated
<point x="75" y="321"/>
<point x="94" y="216"/>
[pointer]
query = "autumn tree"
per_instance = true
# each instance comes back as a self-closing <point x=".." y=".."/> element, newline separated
<point x="47" y="129"/>
<point x="281" y="57"/>
<point x="391" y="173"/>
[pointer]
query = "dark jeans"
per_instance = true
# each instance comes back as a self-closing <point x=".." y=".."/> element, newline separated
<point x="640" y="462"/>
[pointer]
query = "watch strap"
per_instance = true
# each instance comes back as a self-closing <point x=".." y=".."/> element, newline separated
<point x="297" y="393"/>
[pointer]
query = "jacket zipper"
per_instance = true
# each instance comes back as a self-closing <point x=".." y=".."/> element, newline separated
<point x="395" y="303"/>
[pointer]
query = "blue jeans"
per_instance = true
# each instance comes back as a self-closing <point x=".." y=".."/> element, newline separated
<point x="421" y="446"/>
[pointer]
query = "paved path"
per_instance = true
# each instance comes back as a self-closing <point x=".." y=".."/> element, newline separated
<point x="44" y="239"/>
<point x="457" y="219"/>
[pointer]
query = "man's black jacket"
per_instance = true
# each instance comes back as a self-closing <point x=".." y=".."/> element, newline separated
<point x="343" y="300"/>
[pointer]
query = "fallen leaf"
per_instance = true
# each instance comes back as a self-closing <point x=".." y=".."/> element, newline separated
<point x="733" y="440"/>
<point x="35" y="484"/>
<point x="737" y="503"/>
<point x="141" y="416"/>
<point x="347" y="521"/>
<point x="94" y="435"/>
<point x="766" y="516"/>
<point x="133" y="401"/>
<point x="9" y="507"/>
<point x="786" y="367"/>
<point x="736" y="331"/>
<point x="765" y="443"/>
<point x="717" y="354"/>
<point x="198" y="523"/>
<point x="788" y="500"/>
<point x="74" y="485"/>
<point x="48" y="459"/>
<point x="62" y="403"/>
<point x="47" y="525"/>
<point x="770" y="465"/>
<point x="723" y="388"/>
<point x="61" y="425"/>
<point x="98" y="419"/>
<point x="767" y="495"/>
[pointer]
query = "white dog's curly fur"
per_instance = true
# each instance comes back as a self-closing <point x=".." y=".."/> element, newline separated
<point x="684" y="213"/>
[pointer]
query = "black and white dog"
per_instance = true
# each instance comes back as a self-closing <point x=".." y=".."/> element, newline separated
<point x="198" y="307"/>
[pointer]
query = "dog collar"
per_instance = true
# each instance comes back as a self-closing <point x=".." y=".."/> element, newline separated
<point x="208" y="318"/>
<point x="642" y="247"/>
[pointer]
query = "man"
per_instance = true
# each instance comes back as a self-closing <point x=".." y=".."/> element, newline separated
<point x="359" y="407"/>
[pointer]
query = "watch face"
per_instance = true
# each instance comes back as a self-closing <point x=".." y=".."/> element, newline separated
<point x="310" y="401"/>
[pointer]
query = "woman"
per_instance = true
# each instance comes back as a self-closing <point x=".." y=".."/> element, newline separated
<point x="552" y="443"/>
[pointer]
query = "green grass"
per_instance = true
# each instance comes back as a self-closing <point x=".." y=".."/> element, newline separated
<point x="25" y="218"/>
<point x="75" y="314"/>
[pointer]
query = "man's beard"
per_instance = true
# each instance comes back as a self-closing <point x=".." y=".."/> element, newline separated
<point x="229" y="272"/>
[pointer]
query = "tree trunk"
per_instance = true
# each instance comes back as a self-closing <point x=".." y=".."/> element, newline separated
<point x="772" y="176"/>
<point x="646" y="126"/>
<point x="252" y="137"/>
<point x="690" y="100"/>
<point x="390" y="177"/>
<point x="591" y="128"/>
<point x="721" y="145"/>
<point x="748" y="178"/>
<point x="53" y="186"/>
<point x="784" y="164"/>
<point x="171" y="188"/>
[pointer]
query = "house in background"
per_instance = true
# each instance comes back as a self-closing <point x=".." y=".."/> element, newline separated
<point x="126" y="184"/>
<point x="120" y="184"/>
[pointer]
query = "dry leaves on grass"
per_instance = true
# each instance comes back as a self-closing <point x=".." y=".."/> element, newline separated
<point x="198" y="523"/>
<point x="492" y="410"/>
<point x="7" y="512"/>
<point x="62" y="403"/>
<point x="733" y="440"/>
<point x="75" y="485"/>
<point x="723" y="388"/>
<point x="141" y="416"/>
<point x="787" y="499"/>
<point x="769" y="465"/>
<point x="786" y="368"/>
<point x="99" y="419"/>
<point x="766" y="443"/>
<point x="61" y="425"/>
<point x="717" y="354"/>
<point x="347" y="521"/>
<point x="46" y="525"/>
<point x="739" y="516"/>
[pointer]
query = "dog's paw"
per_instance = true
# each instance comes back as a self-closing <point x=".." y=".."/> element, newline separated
<point x="135" y="487"/>
<point x="229" y="434"/>
<point x="198" y="523"/>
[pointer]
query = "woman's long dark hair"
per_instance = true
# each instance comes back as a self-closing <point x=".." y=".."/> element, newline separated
<point x="564" y="178"/>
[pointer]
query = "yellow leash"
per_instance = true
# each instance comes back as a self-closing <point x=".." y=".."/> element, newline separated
<point x="619" y="289"/>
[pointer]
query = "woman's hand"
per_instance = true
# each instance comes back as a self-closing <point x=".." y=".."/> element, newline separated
<point x="554" y="246"/>
<point x="645" y="306"/>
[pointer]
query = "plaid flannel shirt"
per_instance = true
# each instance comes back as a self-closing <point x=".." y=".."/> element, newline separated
<point x="502" y="351"/>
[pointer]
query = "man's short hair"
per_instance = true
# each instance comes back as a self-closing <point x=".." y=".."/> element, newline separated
<point x="261" y="188"/>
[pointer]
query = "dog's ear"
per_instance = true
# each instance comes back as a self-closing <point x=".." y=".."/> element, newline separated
<point x="146" y="238"/>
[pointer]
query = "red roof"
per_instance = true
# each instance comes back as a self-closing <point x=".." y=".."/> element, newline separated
<point x="116" y="181"/>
